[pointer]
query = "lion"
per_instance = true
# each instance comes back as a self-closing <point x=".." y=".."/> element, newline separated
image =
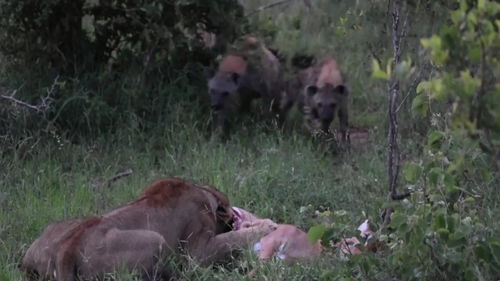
<point x="249" y="73"/>
<point x="320" y="93"/>
<point x="171" y="217"/>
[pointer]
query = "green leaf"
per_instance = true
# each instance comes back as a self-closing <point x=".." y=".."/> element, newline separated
<point x="397" y="219"/>
<point x="470" y="84"/>
<point x="481" y="4"/>
<point x="453" y="193"/>
<point x="438" y="54"/>
<point x="426" y="43"/>
<point x="439" y="221"/>
<point x="475" y="53"/>
<point x="456" y="165"/>
<point x="457" y="239"/>
<point x="435" y="138"/>
<point x="88" y="25"/>
<point x="449" y="180"/>
<point x="434" y="175"/>
<point x="420" y="106"/>
<point x="388" y="67"/>
<point x="402" y="69"/>
<point x="378" y="73"/>
<point x="483" y="253"/>
<point x="423" y="86"/>
<point x="495" y="250"/>
<point x="443" y="233"/>
<point x="412" y="172"/>
<point x="316" y="232"/>
<point x="438" y="90"/>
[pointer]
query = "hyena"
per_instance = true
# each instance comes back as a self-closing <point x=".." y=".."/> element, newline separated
<point x="320" y="93"/>
<point x="251" y="73"/>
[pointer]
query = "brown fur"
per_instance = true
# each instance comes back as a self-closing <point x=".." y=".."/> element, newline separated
<point x="171" y="215"/>
<point x="159" y="193"/>
<point x="69" y="252"/>
<point x="320" y="93"/>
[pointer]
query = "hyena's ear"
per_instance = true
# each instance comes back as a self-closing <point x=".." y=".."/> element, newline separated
<point x="209" y="73"/>
<point x="311" y="90"/>
<point x="235" y="77"/>
<point x="341" y="89"/>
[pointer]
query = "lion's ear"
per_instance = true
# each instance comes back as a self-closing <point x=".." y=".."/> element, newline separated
<point x="219" y="202"/>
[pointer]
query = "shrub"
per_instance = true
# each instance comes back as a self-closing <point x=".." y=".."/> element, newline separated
<point x="66" y="34"/>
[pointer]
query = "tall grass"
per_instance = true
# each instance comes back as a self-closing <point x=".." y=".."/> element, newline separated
<point x="270" y="173"/>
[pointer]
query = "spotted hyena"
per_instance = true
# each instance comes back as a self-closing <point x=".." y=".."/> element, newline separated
<point x="253" y="72"/>
<point x="320" y="93"/>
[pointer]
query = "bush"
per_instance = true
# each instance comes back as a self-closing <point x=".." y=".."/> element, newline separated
<point x="117" y="61"/>
<point x="67" y="34"/>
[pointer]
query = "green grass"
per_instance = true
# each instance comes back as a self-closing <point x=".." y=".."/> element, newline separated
<point x="270" y="173"/>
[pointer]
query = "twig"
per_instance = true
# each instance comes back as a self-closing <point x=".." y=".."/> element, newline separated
<point x="20" y="102"/>
<point x="125" y="173"/>
<point x="405" y="23"/>
<point x="413" y="85"/>
<point x="374" y="55"/>
<point x="402" y="36"/>
<point x="264" y="7"/>
<point x="386" y="216"/>
<point x="42" y="106"/>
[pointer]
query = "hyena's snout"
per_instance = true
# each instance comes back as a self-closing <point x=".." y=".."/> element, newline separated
<point x="218" y="101"/>
<point x="217" y="106"/>
<point x="326" y="117"/>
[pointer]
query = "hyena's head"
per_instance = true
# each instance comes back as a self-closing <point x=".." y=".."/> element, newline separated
<point x="325" y="101"/>
<point x="221" y="87"/>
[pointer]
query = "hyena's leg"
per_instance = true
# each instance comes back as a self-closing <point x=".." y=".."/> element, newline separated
<point x="285" y="105"/>
<point x="219" y="122"/>
<point x="344" y="122"/>
<point x="246" y="104"/>
<point x="247" y="95"/>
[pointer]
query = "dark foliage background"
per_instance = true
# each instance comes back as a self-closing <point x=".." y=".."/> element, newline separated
<point x="112" y="58"/>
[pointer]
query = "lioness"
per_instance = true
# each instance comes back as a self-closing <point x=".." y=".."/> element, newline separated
<point x="171" y="216"/>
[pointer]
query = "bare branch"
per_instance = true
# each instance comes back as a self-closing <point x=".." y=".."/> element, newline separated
<point x="374" y="55"/>
<point x="386" y="216"/>
<point x="44" y="104"/>
<point x="308" y="4"/>
<point x="264" y="7"/>
<point x="125" y="173"/>
<point x="393" y="154"/>
<point x="405" y="24"/>
<point x="19" y="102"/>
